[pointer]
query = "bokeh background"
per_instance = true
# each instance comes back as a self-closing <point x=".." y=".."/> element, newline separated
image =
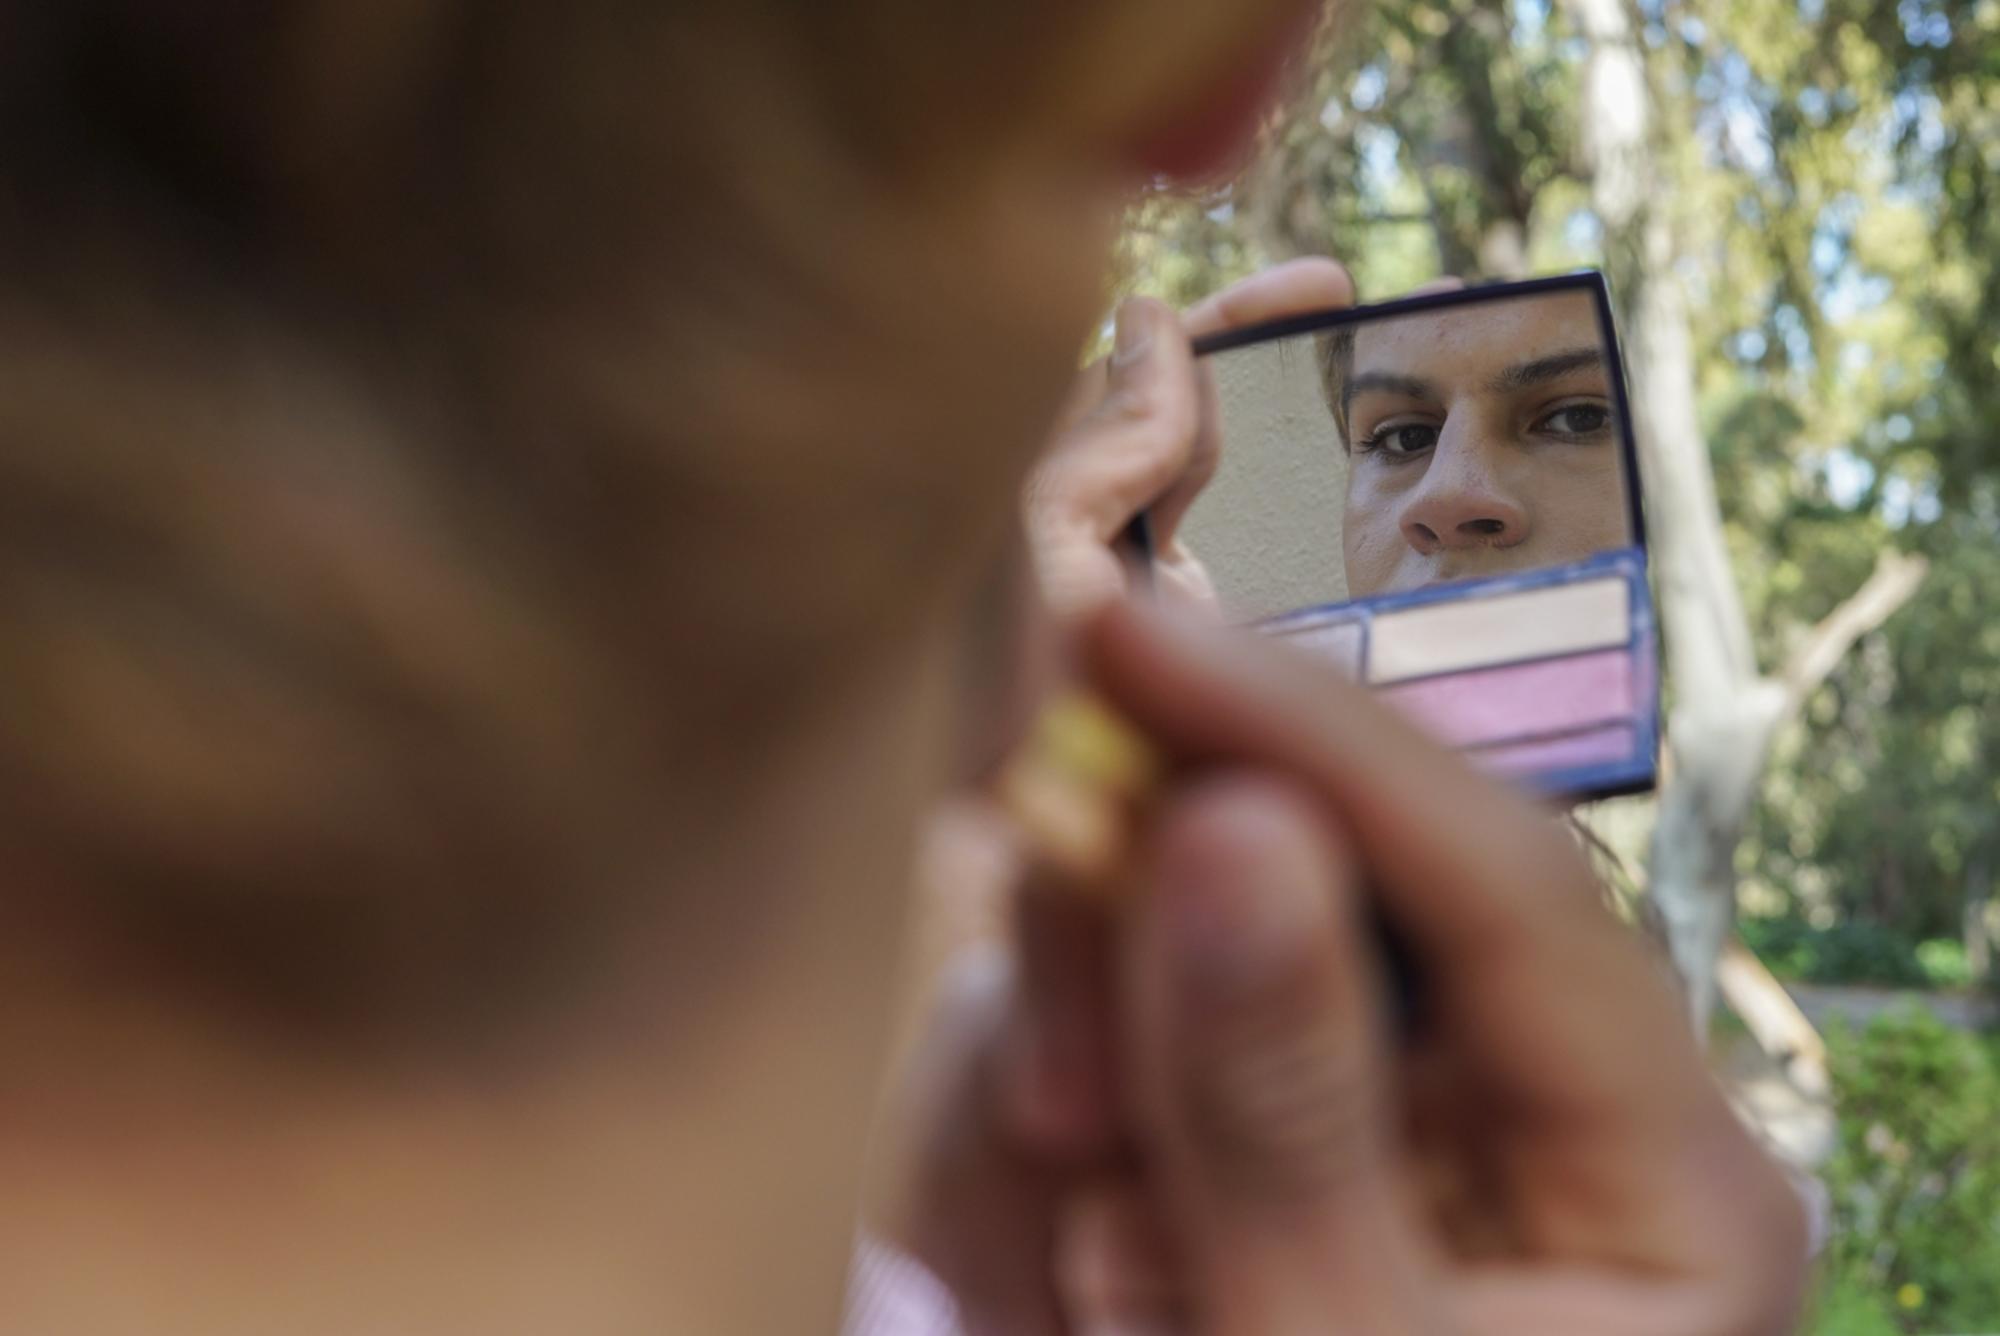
<point x="1798" y="203"/>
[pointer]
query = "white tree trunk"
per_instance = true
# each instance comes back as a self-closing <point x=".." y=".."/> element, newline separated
<point x="1978" y="922"/>
<point x="1726" y="712"/>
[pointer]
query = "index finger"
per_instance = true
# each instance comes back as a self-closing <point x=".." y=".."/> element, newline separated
<point x="1296" y="287"/>
<point x="1548" y="994"/>
<point x="1292" y="288"/>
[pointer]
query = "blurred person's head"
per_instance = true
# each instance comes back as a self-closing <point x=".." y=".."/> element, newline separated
<point x="1480" y="440"/>
<point x="488" y="498"/>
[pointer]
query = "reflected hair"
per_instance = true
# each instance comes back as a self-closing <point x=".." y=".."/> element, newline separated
<point x="1335" y="352"/>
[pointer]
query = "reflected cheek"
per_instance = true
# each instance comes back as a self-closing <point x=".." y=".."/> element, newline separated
<point x="1609" y="524"/>
<point x="1371" y="542"/>
<point x="1579" y="512"/>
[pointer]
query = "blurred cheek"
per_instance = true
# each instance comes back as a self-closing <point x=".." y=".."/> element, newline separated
<point x="1010" y="659"/>
<point x="989" y="318"/>
<point x="1007" y="334"/>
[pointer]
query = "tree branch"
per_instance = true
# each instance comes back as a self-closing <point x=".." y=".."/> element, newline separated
<point x="1896" y="579"/>
<point x="1774" y="1020"/>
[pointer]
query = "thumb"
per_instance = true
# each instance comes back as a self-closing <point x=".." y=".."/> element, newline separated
<point x="1260" y="1076"/>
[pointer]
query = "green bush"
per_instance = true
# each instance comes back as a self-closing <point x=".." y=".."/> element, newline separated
<point x="1852" y="951"/>
<point x="1847" y="1309"/>
<point x="1855" y="952"/>
<point x="1915" y="1181"/>
<point x="1944" y="963"/>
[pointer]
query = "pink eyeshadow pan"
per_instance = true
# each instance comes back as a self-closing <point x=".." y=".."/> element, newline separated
<point x="1596" y="746"/>
<point x="1490" y="706"/>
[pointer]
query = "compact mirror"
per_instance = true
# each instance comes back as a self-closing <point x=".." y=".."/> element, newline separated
<point x="1440" y="495"/>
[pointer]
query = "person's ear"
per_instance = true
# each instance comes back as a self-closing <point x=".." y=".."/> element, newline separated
<point x="1205" y="133"/>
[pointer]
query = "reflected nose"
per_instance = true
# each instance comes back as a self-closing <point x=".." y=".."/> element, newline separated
<point x="1462" y="502"/>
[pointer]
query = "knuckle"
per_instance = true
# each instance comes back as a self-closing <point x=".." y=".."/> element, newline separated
<point x="1156" y="414"/>
<point x="1288" y="1112"/>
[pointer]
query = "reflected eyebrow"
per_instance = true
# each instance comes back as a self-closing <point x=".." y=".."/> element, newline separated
<point x="1555" y="366"/>
<point x="1410" y="387"/>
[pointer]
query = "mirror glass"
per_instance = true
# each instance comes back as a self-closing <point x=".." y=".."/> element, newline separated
<point x="1397" y="453"/>
<point x="1441" y="502"/>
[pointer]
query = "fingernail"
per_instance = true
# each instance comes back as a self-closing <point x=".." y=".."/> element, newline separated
<point x="1134" y="336"/>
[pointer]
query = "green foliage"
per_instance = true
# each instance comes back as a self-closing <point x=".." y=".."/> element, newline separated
<point x="1435" y="136"/>
<point x="1848" y="1307"/>
<point x="1851" y="408"/>
<point x="1846" y="952"/>
<point x="1855" y="951"/>
<point x="1915" y="1181"/>
<point x="1943" y="963"/>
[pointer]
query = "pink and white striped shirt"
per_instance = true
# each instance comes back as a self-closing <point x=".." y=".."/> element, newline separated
<point x="889" y="1294"/>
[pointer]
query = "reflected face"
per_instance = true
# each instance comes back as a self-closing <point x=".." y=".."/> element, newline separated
<point x="1481" y="440"/>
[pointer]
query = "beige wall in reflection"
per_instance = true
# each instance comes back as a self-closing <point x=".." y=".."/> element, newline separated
<point x="1268" y="527"/>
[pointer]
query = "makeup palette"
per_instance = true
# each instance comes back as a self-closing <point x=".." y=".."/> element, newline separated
<point x="1548" y="676"/>
<point x="1439" y="497"/>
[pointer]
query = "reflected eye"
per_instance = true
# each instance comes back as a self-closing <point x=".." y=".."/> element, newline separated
<point x="1399" y="440"/>
<point x="1577" y="420"/>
